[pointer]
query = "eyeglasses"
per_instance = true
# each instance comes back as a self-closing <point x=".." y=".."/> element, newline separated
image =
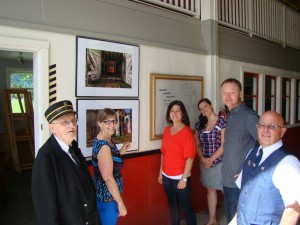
<point x="269" y="127"/>
<point x="67" y="123"/>
<point x="109" y="122"/>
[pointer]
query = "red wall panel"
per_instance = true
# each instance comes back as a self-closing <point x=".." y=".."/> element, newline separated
<point x="144" y="197"/>
<point x="291" y="140"/>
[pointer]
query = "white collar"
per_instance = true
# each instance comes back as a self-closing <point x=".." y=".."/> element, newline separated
<point x="63" y="145"/>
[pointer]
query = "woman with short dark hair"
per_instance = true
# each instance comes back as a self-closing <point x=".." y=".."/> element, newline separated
<point x="178" y="153"/>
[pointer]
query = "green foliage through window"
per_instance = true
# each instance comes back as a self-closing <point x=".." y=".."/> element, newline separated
<point x="20" y="80"/>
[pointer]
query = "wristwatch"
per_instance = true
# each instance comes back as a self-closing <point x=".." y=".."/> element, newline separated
<point x="184" y="179"/>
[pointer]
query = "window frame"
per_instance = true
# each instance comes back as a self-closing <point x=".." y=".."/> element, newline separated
<point x="284" y="97"/>
<point x="297" y="100"/>
<point x="275" y="91"/>
<point x="256" y="97"/>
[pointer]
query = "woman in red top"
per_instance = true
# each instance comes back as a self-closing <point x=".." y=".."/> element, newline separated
<point x="178" y="153"/>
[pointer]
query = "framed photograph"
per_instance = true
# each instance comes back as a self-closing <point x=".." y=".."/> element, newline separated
<point x="106" y="68"/>
<point x="166" y="88"/>
<point x="127" y="113"/>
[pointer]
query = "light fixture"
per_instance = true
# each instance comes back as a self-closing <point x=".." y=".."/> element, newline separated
<point x="20" y="58"/>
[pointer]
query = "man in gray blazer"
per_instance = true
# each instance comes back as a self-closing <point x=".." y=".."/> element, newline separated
<point x="62" y="189"/>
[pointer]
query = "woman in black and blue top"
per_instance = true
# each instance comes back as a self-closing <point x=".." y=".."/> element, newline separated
<point x="107" y="163"/>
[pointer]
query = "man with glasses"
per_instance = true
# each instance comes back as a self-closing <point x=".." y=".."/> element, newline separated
<point x="270" y="179"/>
<point x="62" y="189"/>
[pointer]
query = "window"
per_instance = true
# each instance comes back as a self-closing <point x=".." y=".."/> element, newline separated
<point x="286" y="99"/>
<point x="270" y="93"/>
<point x="297" y="108"/>
<point x="19" y="79"/>
<point x="251" y="90"/>
<point x="264" y="92"/>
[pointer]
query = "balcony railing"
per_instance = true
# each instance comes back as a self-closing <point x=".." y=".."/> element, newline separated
<point x="187" y="7"/>
<point x="269" y="19"/>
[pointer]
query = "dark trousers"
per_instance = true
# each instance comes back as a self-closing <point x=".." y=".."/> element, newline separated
<point x="182" y="196"/>
<point x="231" y="199"/>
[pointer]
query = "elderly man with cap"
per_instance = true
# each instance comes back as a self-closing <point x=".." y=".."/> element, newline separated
<point x="270" y="179"/>
<point x="62" y="189"/>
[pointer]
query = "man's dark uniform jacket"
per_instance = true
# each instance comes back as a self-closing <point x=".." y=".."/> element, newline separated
<point x="62" y="191"/>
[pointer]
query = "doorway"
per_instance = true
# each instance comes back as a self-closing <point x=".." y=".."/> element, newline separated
<point x="16" y="71"/>
<point x="16" y="185"/>
<point x="40" y="65"/>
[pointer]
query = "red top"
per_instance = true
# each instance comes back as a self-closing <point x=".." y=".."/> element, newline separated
<point x="176" y="149"/>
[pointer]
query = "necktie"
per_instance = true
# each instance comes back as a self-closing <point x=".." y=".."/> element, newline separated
<point x="74" y="156"/>
<point x="78" y="163"/>
<point x="258" y="158"/>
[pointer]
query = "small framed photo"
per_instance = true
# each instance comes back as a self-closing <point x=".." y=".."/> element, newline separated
<point x="127" y="113"/>
<point x="106" y="68"/>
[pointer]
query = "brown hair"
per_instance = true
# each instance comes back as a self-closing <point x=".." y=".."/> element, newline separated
<point x="234" y="81"/>
<point x="103" y="114"/>
<point x="185" y="117"/>
<point x="202" y="119"/>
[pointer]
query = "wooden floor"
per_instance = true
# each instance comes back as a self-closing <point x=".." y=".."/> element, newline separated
<point x="202" y="217"/>
<point x="16" y="205"/>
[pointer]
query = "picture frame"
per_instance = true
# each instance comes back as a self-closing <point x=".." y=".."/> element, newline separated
<point x="127" y="128"/>
<point x="105" y="68"/>
<point x="164" y="88"/>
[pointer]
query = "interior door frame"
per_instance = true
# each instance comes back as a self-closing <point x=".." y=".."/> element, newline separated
<point x="40" y="50"/>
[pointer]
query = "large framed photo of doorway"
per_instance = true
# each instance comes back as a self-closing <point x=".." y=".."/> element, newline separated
<point x="127" y="113"/>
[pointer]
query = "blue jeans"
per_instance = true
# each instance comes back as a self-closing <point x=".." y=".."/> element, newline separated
<point x="231" y="199"/>
<point x="108" y="212"/>
<point x="182" y="196"/>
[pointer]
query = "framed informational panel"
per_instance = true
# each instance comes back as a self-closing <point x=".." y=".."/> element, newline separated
<point x="167" y="88"/>
<point x="127" y="128"/>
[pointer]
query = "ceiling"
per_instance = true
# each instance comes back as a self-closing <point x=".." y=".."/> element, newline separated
<point x="295" y="4"/>
<point x="14" y="55"/>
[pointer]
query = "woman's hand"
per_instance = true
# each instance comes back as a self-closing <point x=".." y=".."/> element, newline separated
<point x="122" y="209"/>
<point x="159" y="178"/>
<point x="181" y="184"/>
<point x="207" y="162"/>
<point x="126" y="146"/>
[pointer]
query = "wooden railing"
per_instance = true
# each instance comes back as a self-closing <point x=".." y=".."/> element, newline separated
<point x="268" y="19"/>
<point x="187" y="7"/>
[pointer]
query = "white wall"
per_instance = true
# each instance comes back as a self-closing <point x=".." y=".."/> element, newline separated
<point x="62" y="52"/>
<point x="163" y="61"/>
